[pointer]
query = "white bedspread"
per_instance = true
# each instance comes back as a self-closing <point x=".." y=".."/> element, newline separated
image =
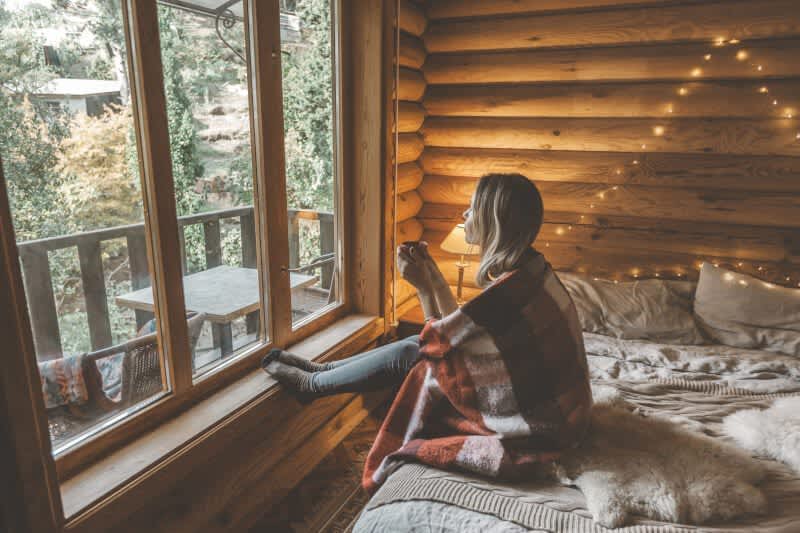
<point x="696" y="386"/>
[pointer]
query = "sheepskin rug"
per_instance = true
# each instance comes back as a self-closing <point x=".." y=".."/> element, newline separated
<point x="632" y="464"/>
<point x="772" y="432"/>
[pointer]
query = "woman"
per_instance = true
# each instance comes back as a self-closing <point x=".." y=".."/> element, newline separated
<point x="494" y="387"/>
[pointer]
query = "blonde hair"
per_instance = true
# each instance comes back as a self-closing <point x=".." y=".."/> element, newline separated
<point x="507" y="215"/>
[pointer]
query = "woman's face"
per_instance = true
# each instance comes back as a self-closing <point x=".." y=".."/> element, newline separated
<point x="471" y="235"/>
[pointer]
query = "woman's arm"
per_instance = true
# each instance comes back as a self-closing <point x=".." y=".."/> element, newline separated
<point x="412" y="267"/>
<point x="445" y="301"/>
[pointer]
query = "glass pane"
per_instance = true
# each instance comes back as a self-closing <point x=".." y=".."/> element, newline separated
<point x="311" y="177"/>
<point x="208" y="110"/>
<point x="71" y="166"/>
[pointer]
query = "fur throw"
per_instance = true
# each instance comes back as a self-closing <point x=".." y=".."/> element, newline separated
<point x="502" y="385"/>
<point x="773" y="432"/>
<point x="633" y="464"/>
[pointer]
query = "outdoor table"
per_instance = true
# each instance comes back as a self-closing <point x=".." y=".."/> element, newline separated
<point x="223" y="293"/>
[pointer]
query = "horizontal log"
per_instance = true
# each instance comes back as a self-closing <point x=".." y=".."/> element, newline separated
<point x="698" y="135"/>
<point x="777" y="58"/>
<point x="707" y="22"/>
<point x="448" y="9"/>
<point x="740" y="98"/>
<point x="711" y="205"/>
<point x="412" y="19"/>
<point x="409" y="147"/>
<point x="752" y="243"/>
<point x="756" y="173"/>
<point x="412" y="51"/>
<point x="410" y="118"/>
<point x="412" y="85"/>
<point x="409" y="176"/>
<point x="409" y="230"/>
<point x="619" y="264"/>
<point x="408" y="205"/>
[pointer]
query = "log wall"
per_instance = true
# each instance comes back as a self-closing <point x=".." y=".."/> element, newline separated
<point x="661" y="134"/>
<point x="411" y="116"/>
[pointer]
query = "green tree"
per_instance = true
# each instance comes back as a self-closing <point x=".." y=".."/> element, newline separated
<point x="308" y="110"/>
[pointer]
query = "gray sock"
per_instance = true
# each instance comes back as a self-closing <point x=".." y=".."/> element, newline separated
<point x="296" y="379"/>
<point x="303" y="364"/>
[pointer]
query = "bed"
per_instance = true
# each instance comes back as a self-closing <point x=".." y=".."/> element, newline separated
<point x="695" y="386"/>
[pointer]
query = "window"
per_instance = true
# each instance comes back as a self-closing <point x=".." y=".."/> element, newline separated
<point x="123" y="320"/>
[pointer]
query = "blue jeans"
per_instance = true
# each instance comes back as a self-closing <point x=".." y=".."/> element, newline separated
<point x="380" y="368"/>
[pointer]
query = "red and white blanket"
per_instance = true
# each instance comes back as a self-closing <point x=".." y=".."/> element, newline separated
<point x="502" y="384"/>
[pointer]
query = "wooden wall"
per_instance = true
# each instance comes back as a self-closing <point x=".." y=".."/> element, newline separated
<point x="661" y="134"/>
<point x="411" y="115"/>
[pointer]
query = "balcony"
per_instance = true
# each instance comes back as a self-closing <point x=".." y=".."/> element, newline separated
<point x="315" y="268"/>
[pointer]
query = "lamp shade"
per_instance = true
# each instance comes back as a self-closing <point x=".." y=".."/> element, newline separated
<point x="456" y="243"/>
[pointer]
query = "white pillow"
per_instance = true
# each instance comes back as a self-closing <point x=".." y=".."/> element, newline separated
<point x="745" y="312"/>
<point x="652" y="309"/>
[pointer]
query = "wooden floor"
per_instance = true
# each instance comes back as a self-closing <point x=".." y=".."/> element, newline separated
<point x="330" y="498"/>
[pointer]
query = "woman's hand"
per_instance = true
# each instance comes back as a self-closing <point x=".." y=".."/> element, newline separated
<point x="430" y="263"/>
<point x="411" y="262"/>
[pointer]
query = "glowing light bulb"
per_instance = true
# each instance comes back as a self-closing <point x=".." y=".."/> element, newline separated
<point x="569" y="228"/>
<point x="797" y="136"/>
<point x="670" y="110"/>
<point x="635" y="161"/>
<point x="658" y="275"/>
<point x="742" y="283"/>
<point x="734" y="41"/>
<point x="615" y="187"/>
<point x="591" y="206"/>
<point x="619" y="172"/>
<point x="707" y="57"/>
<point x="788" y="278"/>
<point x="739" y="264"/>
<point x="759" y="68"/>
<point x="644" y="147"/>
<point x="728" y="277"/>
<point x="763" y="90"/>
<point x="696" y="72"/>
<point x="683" y="91"/>
<point x="658" y="130"/>
<point x="774" y="102"/>
<point x="760" y="269"/>
<point x="716" y="265"/>
<point x="741" y="55"/>
<point x="582" y="217"/>
<point x="719" y="41"/>
<point x="602" y="195"/>
<point x="559" y="231"/>
<point x="547" y="245"/>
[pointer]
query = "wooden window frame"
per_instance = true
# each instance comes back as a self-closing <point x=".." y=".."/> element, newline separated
<point x="359" y="232"/>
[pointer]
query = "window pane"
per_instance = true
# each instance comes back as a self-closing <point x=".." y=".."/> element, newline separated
<point x="71" y="166"/>
<point x="311" y="177"/>
<point x="208" y="110"/>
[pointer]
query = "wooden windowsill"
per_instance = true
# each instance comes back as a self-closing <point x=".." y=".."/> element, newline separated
<point x="113" y="476"/>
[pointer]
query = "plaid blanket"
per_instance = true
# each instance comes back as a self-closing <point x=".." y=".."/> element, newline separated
<point x="502" y="385"/>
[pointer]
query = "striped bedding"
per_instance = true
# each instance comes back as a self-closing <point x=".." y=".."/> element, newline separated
<point x="696" y="386"/>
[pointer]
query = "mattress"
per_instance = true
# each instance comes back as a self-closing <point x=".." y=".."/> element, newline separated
<point x="696" y="386"/>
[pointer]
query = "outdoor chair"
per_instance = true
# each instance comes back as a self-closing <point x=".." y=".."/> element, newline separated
<point x="141" y="368"/>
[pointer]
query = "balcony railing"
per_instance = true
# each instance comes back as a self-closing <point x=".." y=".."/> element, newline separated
<point x="37" y="273"/>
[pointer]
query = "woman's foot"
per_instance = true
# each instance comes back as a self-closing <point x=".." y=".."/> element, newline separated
<point x="295" y="379"/>
<point x="301" y="363"/>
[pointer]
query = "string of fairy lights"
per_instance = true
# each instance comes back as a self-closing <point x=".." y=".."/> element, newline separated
<point x="740" y="53"/>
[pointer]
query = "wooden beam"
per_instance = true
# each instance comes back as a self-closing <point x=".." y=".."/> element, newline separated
<point x="657" y="62"/>
<point x="724" y="136"/>
<point x="731" y="99"/>
<point x="405" y="291"/>
<point x="364" y="105"/>
<point x="623" y="264"/>
<point x="712" y="205"/>
<point x="642" y="233"/>
<point x="412" y="19"/>
<point x="409" y="176"/>
<point x="755" y="173"/>
<point x="411" y="117"/>
<point x="409" y="230"/>
<point x="412" y="51"/>
<point x="412" y="85"/>
<point x="450" y="9"/>
<point x="409" y="147"/>
<point x="161" y="222"/>
<point x="29" y="485"/>
<point x="707" y="22"/>
<point x="408" y="205"/>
